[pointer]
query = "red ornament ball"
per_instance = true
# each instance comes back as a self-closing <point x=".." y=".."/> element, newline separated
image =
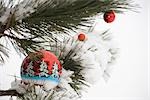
<point x="109" y="16"/>
<point x="81" y="37"/>
<point x="39" y="67"/>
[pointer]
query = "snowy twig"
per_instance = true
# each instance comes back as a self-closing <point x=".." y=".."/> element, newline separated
<point x="9" y="93"/>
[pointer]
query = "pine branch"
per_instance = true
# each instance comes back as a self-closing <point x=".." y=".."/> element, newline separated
<point x="75" y="65"/>
<point x="64" y="15"/>
<point x="9" y="93"/>
<point x="3" y="53"/>
<point x="44" y="18"/>
<point x="60" y="15"/>
<point x="25" y="45"/>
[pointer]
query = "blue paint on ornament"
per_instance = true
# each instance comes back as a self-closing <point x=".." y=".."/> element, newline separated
<point x="49" y="78"/>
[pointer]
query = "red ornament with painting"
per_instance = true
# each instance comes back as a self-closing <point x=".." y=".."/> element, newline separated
<point x="41" y="68"/>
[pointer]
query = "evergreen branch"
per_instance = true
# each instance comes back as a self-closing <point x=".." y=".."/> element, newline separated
<point x="9" y="93"/>
<point x="64" y="15"/>
<point x="45" y="18"/>
<point x="25" y="45"/>
<point x="3" y="53"/>
<point x="75" y="65"/>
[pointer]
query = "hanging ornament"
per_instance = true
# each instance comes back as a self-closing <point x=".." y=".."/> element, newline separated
<point x="41" y="68"/>
<point x="109" y="16"/>
<point x="81" y="37"/>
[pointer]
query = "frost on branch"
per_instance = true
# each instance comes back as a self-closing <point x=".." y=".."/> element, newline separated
<point x="94" y="56"/>
<point x="33" y="92"/>
<point x="84" y="63"/>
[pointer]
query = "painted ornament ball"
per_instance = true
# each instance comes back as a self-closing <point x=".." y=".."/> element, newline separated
<point x="41" y="68"/>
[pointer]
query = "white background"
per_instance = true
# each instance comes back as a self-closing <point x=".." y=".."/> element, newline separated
<point x="130" y="77"/>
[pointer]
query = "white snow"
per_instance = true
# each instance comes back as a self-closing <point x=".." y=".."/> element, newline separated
<point x="20" y="8"/>
<point x="96" y="60"/>
<point x="20" y="88"/>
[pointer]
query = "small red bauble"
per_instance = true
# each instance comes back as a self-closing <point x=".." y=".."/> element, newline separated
<point x="109" y="16"/>
<point x="81" y="37"/>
